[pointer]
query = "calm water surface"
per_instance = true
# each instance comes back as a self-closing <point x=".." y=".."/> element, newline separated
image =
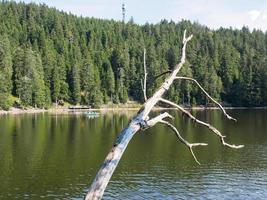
<point x="45" y="156"/>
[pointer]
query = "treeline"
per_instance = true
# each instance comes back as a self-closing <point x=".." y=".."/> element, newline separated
<point x="50" y="56"/>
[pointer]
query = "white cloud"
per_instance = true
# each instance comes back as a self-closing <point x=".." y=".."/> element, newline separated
<point x="216" y="14"/>
<point x="264" y="17"/>
<point x="254" y="14"/>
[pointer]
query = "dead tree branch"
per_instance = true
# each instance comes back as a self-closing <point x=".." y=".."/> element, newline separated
<point x="158" y="118"/>
<point x="189" y="145"/>
<point x="207" y="94"/>
<point x="142" y="121"/>
<point x="212" y="128"/>
<point x="145" y="77"/>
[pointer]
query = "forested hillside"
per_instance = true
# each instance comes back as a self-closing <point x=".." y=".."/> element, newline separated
<point x="47" y="55"/>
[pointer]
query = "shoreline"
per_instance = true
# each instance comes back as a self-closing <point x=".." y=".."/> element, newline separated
<point x="66" y="110"/>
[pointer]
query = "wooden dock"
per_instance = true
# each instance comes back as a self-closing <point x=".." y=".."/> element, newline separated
<point x="79" y="107"/>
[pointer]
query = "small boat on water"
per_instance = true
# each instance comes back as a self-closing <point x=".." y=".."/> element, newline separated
<point x="92" y="114"/>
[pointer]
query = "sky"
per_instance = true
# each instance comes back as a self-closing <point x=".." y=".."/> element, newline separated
<point x="212" y="13"/>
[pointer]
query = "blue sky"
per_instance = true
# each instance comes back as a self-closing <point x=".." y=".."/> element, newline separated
<point x="213" y="13"/>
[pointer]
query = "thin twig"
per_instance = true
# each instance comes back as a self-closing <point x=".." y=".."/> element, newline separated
<point x="189" y="145"/>
<point x="212" y="128"/>
<point x="207" y="94"/>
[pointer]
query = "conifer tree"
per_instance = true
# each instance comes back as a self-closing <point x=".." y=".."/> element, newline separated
<point x="5" y="72"/>
<point x="75" y="84"/>
<point x="39" y="99"/>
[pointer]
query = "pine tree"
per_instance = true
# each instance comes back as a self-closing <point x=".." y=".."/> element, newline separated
<point x="39" y="98"/>
<point x="55" y="84"/>
<point x="92" y="90"/>
<point x="27" y="79"/>
<point x="19" y="71"/>
<point x="62" y="75"/>
<point x="75" y="84"/>
<point x="5" y="73"/>
<point x="109" y="81"/>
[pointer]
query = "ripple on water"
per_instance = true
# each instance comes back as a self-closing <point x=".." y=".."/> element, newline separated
<point x="231" y="179"/>
<point x="56" y="158"/>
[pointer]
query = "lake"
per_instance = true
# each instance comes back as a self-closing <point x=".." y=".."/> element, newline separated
<point x="48" y="156"/>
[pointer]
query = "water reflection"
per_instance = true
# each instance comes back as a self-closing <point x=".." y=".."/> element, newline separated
<point x="56" y="157"/>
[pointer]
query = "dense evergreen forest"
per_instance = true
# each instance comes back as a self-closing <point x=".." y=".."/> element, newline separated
<point x="48" y="56"/>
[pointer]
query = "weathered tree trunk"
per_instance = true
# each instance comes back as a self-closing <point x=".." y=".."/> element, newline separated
<point x="104" y="174"/>
<point x="141" y="120"/>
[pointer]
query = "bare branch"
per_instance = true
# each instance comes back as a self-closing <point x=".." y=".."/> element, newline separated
<point x="189" y="145"/>
<point x="148" y="106"/>
<point x="145" y="76"/>
<point x="142" y="85"/>
<point x="184" y="37"/>
<point x="158" y="118"/>
<point x="207" y="94"/>
<point x="213" y="129"/>
<point x="185" y="40"/>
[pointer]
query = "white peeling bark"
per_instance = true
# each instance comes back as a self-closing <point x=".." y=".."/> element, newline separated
<point x="145" y="76"/>
<point x="105" y="172"/>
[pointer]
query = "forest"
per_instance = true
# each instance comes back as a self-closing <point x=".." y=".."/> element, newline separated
<point x="49" y="56"/>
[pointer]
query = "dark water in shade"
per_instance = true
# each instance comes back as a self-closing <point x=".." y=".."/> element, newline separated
<point x="46" y="156"/>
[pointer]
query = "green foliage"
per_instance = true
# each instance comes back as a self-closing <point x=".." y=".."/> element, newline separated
<point x="91" y="84"/>
<point x="6" y="101"/>
<point x="5" y="62"/>
<point x="5" y="73"/>
<point x="109" y="80"/>
<point x="39" y="99"/>
<point x="28" y="80"/>
<point x="75" y="84"/>
<point x="60" y="57"/>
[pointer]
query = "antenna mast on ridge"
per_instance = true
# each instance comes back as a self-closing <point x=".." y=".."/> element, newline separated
<point x="123" y="12"/>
